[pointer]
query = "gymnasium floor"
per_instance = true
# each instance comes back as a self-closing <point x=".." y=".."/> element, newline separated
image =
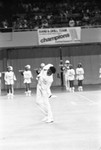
<point x="77" y="121"/>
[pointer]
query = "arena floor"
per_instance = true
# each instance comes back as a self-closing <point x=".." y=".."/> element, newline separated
<point x="76" y="126"/>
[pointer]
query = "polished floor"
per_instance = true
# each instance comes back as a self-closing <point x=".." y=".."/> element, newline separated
<point x="76" y="126"/>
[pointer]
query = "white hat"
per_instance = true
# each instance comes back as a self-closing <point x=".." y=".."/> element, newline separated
<point x="67" y="62"/>
<point x="42" y="65"/>
<point x="10" y="68"/>
<point x="28" y="66"/>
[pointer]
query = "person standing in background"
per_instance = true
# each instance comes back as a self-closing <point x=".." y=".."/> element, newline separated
<point x="71" y="77"/>
<point x="38" y="70"/>
<point x="100" y="71"/>
<point x="27" y="74"/>
<point x="66" y="77"/>
<point x="0" y="82"/>
<point x="9" y="78"/>
<point x="80" y="76"/>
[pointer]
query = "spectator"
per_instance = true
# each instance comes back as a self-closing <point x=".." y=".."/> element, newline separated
<point x="5" y="24"/>
<point x="44" y="23"/>
<point x="71" y="23"/>
<point x="56" y="14"/>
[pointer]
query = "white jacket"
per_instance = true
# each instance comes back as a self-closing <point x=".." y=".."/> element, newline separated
<point x="71" y="74"/>
<point x="79" y="73"/>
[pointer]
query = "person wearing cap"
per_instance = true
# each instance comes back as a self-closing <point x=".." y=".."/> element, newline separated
<point x="0" y="82"/>
<point x="71" y="77"/>
<point x="80" y="76"/>
<point x="42" y="95"/>
<point x="65" y="70"/>
<point x="9" y="78"/>
<point x="100" y="72"/>
<point x="38" y="71"/>
<point x="27" y="74"/>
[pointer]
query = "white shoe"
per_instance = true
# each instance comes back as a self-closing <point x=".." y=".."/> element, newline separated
<point x="8" y="95"/>
<point x="11" y="96"/>
<point x="26" y="93"/>
<point x="70" y="89"/>
<point x="67" y="89"/>
<point x="49" y="120"/>
<point x="81" y="88"/>
<point x="73" y="89"/>
<point x="29" y="93"/>
<point x="45" y="118"/>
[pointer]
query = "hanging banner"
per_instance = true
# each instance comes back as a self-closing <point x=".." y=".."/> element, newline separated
<point x="59" y="35"/>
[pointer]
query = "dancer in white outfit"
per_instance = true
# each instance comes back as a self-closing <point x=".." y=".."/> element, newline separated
<point x="100" y="71"/>
<point x="80" y="76"/>
<point x="42" y="99"/>
<point x="71" y="77"/>
<point x="0" y="82"/>
<point x="38" y="70"/>
<point x="9" y="78"/>
<point x="66" y="77"/>
<point x="27" y="74"/>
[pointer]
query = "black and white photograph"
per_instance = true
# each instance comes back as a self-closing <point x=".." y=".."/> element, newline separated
<point x="50" y="75"/>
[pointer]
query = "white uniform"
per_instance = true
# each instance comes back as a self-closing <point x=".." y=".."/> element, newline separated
<point x="66" y="77"/>
<point x="27" y="76"/>
<point x="50" y="80"/>
<point x="100" y="73"/>
<point x="43" y="94"/>
<point x="79" y="73"/>
<point x="9" y="78"/>
<point x="0" y="82"/>
<point x="71" y="74"/>
<point x="80" y="77"/>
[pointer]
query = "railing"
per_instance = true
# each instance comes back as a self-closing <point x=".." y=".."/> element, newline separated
<point x="11" y="29"/>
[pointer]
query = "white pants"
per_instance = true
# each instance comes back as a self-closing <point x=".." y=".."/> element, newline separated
<point x="43" y="102"/>
<point x="49" y="90"/>
<point x="67" y="85"/>
<point x="0" y="86"/>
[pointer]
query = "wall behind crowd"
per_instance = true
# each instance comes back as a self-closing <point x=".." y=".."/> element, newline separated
<point x="88" y="54"/>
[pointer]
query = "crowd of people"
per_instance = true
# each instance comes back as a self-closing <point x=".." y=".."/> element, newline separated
<point x="50" y="14"/>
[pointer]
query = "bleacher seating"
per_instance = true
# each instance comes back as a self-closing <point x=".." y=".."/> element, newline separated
<point x="24" y="15"/>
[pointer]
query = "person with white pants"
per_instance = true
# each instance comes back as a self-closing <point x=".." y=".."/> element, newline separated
<point x="42" y="96"/>
<point x="71" y="74"/>
<point x="80" y="76"/>
<point x="0" y="82"/>
<point x="66" y="76"/>
<point x="27" y="74"/>
<point x="9" y="78"/>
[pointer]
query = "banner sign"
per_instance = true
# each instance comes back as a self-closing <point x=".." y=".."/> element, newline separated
<point x="59" y="35"/>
